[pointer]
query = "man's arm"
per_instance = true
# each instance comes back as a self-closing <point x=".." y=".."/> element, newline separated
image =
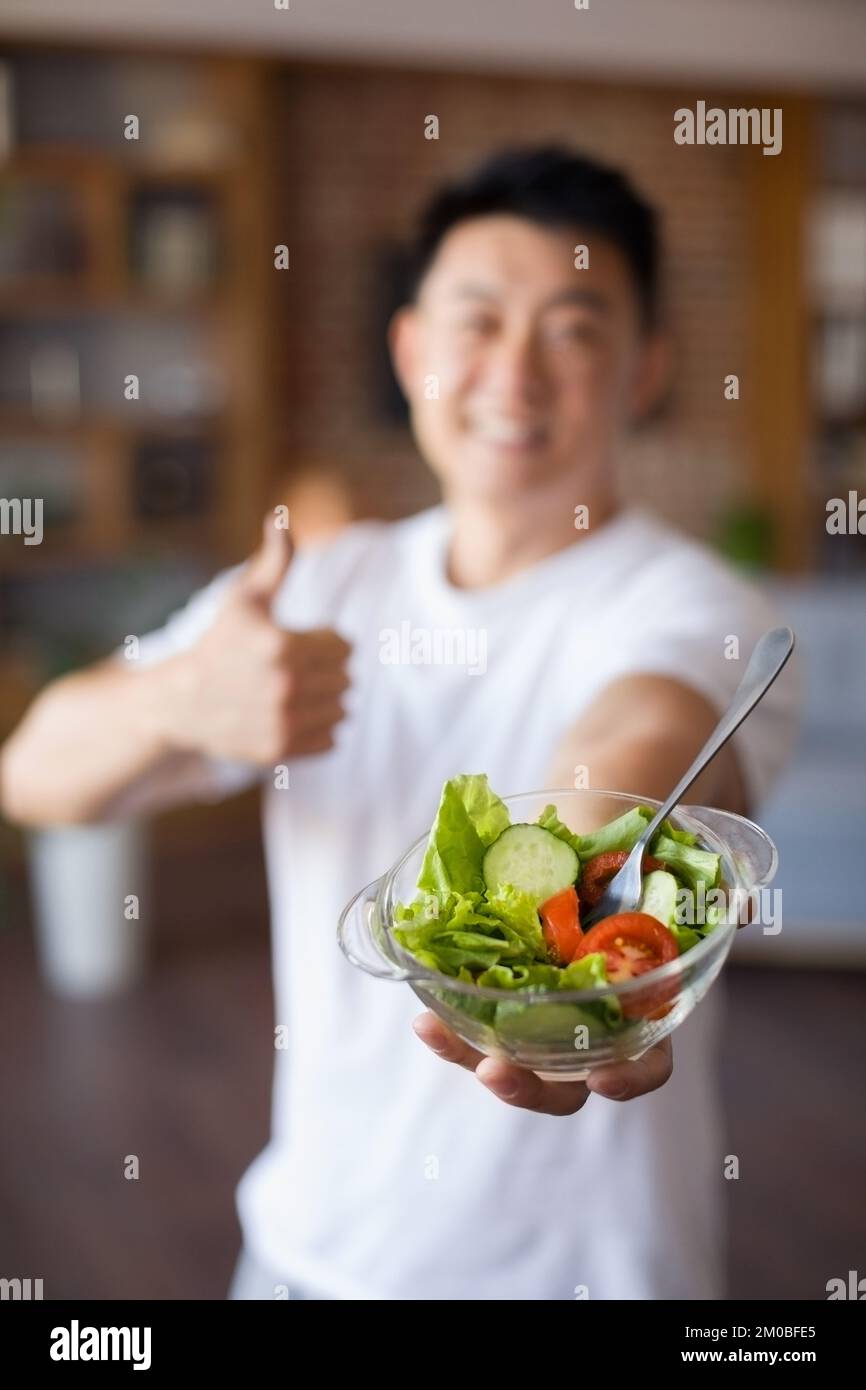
<point x="639" y="735"/>
<point x="95" y="743"/>
<point x="118" y="740"/>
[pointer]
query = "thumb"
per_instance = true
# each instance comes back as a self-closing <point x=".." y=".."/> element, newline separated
<point x="268" y="566"/>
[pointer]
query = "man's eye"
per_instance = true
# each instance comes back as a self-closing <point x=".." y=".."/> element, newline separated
<point x="581" y="332"/>
<point x="479" y="324"/>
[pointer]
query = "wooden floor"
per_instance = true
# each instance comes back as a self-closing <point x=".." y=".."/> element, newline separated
<point x="176" y="1073"/>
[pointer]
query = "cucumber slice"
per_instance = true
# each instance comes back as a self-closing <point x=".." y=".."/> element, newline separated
<point x="532" y="859"/>
<point x="659" y="897"/>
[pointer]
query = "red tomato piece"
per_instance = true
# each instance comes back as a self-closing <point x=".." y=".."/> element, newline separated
<point x="634" y="943"/>
<point x="597" y="873"/>
<point x="560" y="916"/>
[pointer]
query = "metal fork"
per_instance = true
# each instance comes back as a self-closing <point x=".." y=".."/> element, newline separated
<point x="771" y="652"/>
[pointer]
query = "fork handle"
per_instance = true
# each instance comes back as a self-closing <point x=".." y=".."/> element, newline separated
<point x="769" y="656"/>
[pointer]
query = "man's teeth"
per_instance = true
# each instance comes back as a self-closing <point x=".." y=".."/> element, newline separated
<point x="506" y="432"/>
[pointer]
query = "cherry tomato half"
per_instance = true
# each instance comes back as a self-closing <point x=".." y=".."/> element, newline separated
<point x="633" y="943"/>
<point x="560" y="916"/>
<point x="598" y="871"/>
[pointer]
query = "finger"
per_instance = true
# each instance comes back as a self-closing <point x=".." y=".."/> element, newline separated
<point x="324" y="646"/>
<point x="327" y="680"/>
<point x="267" y="568"/>
<point x="627" y="1080"/>
<point x="320" y="741"/>
<point x="445" y="1043"/>
<point x="511" y="1084"/>
<point x="311" y="728"/>
<point x="302" y="742"/>
<point x="524" y="1089"/>
<point x="315" y="716"/>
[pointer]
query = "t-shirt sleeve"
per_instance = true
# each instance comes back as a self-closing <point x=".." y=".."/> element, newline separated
<point x="698" y="623"/>
<point x="225" y="776"/>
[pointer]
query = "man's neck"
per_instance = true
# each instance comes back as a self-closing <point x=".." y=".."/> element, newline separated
<point x="490" y="542"/>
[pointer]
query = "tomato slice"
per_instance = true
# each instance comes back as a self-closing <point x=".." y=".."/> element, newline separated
<point x="560" y="916"/>
<point x="633" y="943"/>
<point x="597" y="873"/>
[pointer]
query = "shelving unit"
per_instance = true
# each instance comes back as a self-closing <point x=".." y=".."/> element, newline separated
<point x="183" y="473"/>
<point x="837" y="304"/>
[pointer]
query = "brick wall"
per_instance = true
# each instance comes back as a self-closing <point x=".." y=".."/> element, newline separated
<point x="355" y="165"/>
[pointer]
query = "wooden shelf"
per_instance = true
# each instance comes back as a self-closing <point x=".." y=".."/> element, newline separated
<point x="100" y="188"/>
<point x="67" y="163"/>
<point x="60" y="557"/>
<point x="84" y="548"/>
<point x="90" y="425"/>
<point x="47" y="296"/>
<point x="221" y="181"/>
<point x="44" y="294"/>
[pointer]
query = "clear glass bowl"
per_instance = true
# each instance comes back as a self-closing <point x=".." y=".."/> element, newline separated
<point x="563" y="1034"/>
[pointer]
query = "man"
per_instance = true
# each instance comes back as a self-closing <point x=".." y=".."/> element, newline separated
<point x="390" y="1175"/>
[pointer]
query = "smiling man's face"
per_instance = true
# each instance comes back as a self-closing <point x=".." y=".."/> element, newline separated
<point x="538" y="365"/>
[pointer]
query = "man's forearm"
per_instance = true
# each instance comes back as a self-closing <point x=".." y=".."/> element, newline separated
<point x="87" y="739"/>
<point x="651" y="767"/>
<point x="639" y="737"/>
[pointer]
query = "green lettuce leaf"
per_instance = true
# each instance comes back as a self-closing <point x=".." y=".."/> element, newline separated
<point x="449" y="959"/>
<point x="520" y="977"/>
<point x="685" y="937"/>
<point x="684" y="837"/>
<point x="585" y="973"/>
<point x="515" y="911"/>
<point x="549" y="820"/>
<point x="469" y="818"/>
<point x="544" y="1023"/>
<point x="485" y="809"/>
<point x="620" y="834"/>
<point x="588" y="973"/>
<point x="429" y="916"/>
<point x="689" y="863"/>
<point x="482" y="1010"/>
<point x="460" y="929"/>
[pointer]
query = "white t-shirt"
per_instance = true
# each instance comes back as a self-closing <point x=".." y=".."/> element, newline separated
<point x="622" y="1199"/>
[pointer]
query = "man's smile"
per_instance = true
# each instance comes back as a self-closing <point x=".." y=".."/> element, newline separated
<point x="504" y="431"/>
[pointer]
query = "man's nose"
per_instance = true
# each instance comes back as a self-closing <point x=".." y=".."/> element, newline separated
<point x="514" y="369"/>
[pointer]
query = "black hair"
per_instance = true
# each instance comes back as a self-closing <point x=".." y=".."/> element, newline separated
<point x="555" y="187"/>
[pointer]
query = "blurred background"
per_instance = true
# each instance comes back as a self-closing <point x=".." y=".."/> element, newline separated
<point x="161" y="384"/>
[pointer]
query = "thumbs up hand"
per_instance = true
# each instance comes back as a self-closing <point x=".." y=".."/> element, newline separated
<point x="250" y="690"/>
<point x="265" y="571"/>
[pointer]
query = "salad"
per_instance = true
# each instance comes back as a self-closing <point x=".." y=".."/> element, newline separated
<point x="499" y="905"/>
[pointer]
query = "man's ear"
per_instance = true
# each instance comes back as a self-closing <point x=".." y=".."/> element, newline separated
<point x="652" y="377"/>
<point x="402" y="343"/>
